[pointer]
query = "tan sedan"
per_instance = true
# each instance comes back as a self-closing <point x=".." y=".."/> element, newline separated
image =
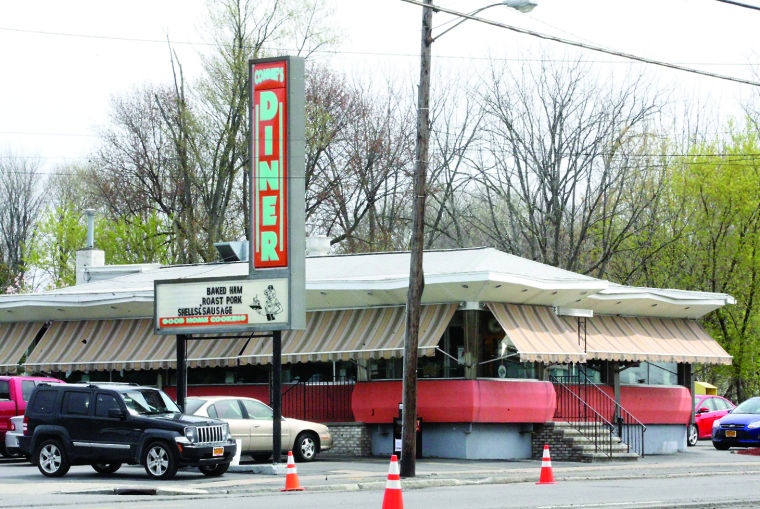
<point x="251" y="422"/>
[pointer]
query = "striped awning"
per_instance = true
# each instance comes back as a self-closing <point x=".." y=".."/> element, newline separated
<point x="98" y="345"/>
<point x="15" y="339"/>
<point x="618" y="338"/>
<point x="355" y="334"/>
<point x="538" y="333"/>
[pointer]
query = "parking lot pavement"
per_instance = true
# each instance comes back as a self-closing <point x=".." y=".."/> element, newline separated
<point x="346" y="474"/>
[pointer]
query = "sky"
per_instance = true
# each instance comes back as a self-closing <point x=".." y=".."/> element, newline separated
<point x="63" y="62"/>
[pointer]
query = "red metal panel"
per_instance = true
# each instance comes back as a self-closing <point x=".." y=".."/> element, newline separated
<point x="657" y="405"/>
<point x="458" y="401"/>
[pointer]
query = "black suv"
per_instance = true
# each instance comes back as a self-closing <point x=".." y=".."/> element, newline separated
<point x="105" y="425"/>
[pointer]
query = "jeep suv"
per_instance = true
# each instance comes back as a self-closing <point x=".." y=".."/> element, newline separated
<point x="106" y="425"/>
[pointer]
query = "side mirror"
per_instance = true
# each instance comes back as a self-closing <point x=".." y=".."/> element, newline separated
<point x="116" y="413"/>
<point x="703" y="410"/>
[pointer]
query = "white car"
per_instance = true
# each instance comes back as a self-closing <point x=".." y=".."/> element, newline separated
<point x="250" y="422"/>
<point x="11" y="436"/>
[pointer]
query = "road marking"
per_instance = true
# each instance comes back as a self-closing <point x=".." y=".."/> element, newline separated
<point x="652" y="503"/>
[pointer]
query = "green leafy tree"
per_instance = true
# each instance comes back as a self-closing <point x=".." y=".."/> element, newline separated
<point x="62" y="232"/>
<point x="708" y="239"/>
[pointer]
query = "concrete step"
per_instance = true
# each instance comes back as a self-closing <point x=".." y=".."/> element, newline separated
<point x="590" y="447"/>
<point x="599" y="457"/>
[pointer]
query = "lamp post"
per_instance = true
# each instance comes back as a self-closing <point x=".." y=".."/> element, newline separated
<point x="416" y="276"/>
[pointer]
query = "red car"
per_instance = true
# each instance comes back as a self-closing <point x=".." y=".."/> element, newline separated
<point x="14" y="393"/>
<point x="707" y="409"/>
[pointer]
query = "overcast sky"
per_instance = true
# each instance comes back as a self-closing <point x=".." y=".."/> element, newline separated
<point x="62" y="61"/>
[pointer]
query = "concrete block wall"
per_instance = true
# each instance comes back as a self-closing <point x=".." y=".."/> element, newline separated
<point x="349" y="439"/>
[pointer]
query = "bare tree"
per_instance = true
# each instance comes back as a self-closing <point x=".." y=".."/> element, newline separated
<point x="456" y="132"/>
<point x="21" y="203"/>
<point x="569" y="170"/>
<point x="182" y="150"/>
<point x="361" y="175"/>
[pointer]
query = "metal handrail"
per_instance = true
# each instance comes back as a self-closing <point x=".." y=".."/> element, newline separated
<point x="628" y="428"/>
<point x="584" y="413"/>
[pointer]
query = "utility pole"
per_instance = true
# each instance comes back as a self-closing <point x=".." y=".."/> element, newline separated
<point x="416" y="275"/>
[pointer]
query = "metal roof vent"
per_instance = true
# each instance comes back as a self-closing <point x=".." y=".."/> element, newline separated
<point x="235" y="251"/>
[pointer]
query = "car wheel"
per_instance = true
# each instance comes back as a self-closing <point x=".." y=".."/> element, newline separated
<point x="5" y="452"/>
<point x="305" y="447"/>
<point x="106" y="468"/>
<point x="214" y="470"/>
<point x="51" y="459"/>
<point x="720" y="446"/>
<point x="692" y="435"/>
<point x="261" y="457"/>
<point x="159" y="461"/>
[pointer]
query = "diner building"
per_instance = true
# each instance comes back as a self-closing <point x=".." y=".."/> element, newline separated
<point x="506" y="346"/>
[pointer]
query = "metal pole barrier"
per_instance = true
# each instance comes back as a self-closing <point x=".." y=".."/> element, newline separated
<point x="181" y="370"/>
<point x="276" y="396"/>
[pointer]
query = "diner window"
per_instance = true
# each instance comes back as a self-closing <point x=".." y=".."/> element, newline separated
<point x="650" y="373"/>
<point x="386" y="369"/>
<point x="500" y="357"/>
<point x="573" y="373"/>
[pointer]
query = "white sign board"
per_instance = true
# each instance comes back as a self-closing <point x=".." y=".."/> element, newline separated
<point x="220" y="305"/>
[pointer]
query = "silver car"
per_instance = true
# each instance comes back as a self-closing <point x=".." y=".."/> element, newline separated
<point x="250" y="422"/>
<point x="11" y="436"/>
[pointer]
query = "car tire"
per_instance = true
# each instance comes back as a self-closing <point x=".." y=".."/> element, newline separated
<point x="692" y="435"/>
<point x="6" y="453"/>
<point x="261" y="457"/>
<point x="721" y="446"/>
<point x="106" y="468"/>
<point x="305" y="447"/>
<point x="52" y="460"/>
<point x="214" y="470"/>
<point x="159" y="461"/>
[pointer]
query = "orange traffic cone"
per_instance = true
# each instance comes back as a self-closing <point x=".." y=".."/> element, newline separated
<point x="392" y="498"/>
<point x="291" y="478"/>
<point x="547" y="476"/>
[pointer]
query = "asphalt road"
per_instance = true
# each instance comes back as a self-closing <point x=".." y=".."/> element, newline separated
<point x="700" y="477"/>
<point x="716" y="491"/>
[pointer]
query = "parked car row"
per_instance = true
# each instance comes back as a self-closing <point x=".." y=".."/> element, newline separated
<point x="106" y="425"/>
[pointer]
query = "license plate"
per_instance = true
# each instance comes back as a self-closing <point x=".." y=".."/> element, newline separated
<point x="730" y="433"/>
<point x="218" y="451"/>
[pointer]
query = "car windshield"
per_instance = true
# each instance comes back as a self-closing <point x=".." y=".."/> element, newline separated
<point x="193" y="404"/>
<point x="148" y="401"/>
<point x="751" y="406"/>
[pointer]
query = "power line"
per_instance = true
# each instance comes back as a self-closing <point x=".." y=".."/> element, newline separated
<point x="356" y="53"/>
<point x="42" y="133"/>
<point x="740" y="4"/>
<point x="590" y="47"/>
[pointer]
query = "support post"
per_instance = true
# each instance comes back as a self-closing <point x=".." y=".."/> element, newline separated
<point x="471" y="343"/>
<point x="181" y="370"/>
<point x="276" y="396"/>
<point x="686" y="379"/>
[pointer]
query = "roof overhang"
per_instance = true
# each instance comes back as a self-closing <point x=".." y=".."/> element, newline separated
<point x="373" y="280"/>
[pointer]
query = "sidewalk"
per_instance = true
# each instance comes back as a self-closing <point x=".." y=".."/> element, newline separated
<point x="351" y="474"/>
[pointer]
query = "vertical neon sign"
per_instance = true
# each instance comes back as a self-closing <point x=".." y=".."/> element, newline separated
<point x="269" y="200"/>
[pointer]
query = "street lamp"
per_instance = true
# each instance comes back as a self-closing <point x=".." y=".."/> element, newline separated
<point x="416" y="276"/>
